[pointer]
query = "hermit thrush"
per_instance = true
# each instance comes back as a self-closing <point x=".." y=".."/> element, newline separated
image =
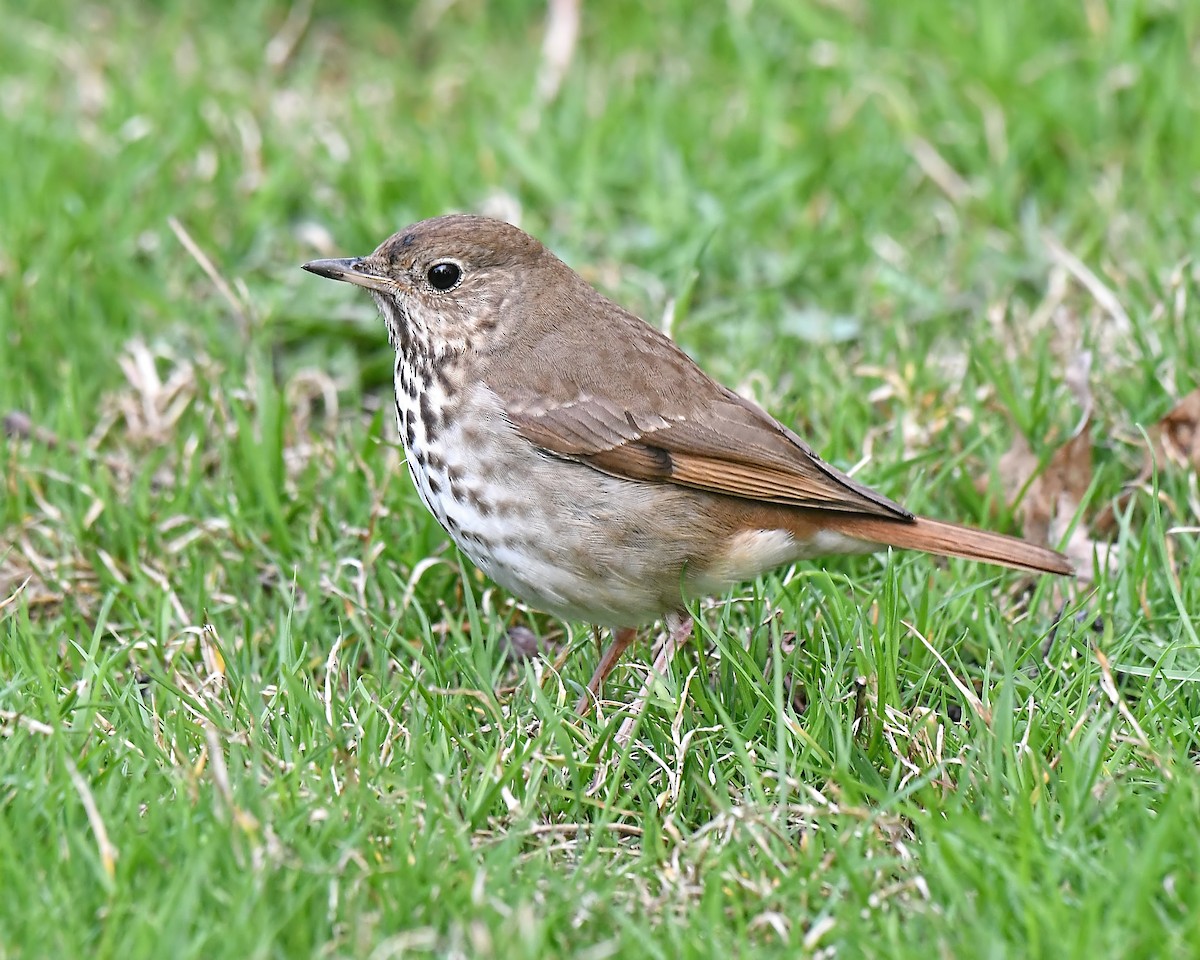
<point x="583" y="461"/>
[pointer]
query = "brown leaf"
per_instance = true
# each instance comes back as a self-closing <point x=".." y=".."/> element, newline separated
<point x="523" y="643"/>
<point x="1086" y="554"/>
<point x="1062" y="484"/>
<point x="1016" y="468"/>
<point x="1174" y="442"/>
<point x="1052" y="498"/>
<point x="1177" y="436"/>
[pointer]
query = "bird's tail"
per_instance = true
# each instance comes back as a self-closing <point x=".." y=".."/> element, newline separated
<point x="952" y="540"/>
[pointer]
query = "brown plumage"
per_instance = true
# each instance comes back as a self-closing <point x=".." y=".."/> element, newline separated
<point x="583" y="460"/>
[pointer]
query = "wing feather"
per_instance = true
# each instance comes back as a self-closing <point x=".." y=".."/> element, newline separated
<point x="610" y="391"/>
<point x="730" y="448"/>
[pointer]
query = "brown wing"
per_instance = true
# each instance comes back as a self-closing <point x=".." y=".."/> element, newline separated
<point x="609" y="390"/>
<point x="641" y="409"/>
<point x="725" y="445"/>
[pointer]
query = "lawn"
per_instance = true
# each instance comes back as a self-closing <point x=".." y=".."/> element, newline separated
<point x="253" y="704"/>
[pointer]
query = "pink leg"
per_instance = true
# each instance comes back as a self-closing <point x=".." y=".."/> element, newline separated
<point x="621" y="641"/>
<point x="679" y="630"/>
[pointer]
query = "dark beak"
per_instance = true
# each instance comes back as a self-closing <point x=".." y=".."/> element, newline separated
<point x="356" y="270"/>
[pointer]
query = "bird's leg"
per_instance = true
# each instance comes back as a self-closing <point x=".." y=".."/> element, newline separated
<point x="621" y="641"/>
<point x="679" y="629"/>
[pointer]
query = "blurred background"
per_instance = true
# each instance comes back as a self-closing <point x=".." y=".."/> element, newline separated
<point x="811" y="171"/>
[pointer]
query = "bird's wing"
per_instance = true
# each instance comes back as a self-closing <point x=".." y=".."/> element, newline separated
<point x="680" y="426"/>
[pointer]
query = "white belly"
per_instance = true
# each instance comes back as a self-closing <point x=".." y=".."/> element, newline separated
<point x="573" y="549"/>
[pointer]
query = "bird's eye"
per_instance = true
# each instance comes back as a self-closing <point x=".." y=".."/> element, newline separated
<point x="442" y="276"/>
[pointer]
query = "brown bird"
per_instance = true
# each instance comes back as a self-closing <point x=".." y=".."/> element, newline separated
<point x="584" y="462"/>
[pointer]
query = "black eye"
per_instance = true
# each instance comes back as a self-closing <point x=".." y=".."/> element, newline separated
<point x="442" y="276"/>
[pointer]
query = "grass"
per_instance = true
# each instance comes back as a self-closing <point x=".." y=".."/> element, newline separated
<point x="253" y="706"/>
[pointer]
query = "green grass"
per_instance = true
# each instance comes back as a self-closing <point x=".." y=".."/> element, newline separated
<point x="225" y="651"/>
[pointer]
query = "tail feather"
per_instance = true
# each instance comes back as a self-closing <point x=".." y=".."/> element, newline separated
<point x="953" y="540"/>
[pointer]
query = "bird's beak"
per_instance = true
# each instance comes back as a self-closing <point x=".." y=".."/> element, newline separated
<point x="356" y="270"/>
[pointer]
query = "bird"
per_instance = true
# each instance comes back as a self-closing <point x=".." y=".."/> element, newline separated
<point x="585" y="463"/>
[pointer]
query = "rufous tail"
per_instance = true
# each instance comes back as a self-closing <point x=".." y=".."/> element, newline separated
<point x="952" y="540"/>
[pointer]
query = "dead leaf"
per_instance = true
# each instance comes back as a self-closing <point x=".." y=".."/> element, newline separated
<point x="1086" y="555"/>
<point x="1177" y="435"/>
<point x="1051" y="498"/>
<point x="1174" y="442"/>
<point x="522" y="643"/>
<point x="1065" y="480"/>
<point x="1016" y="468"/>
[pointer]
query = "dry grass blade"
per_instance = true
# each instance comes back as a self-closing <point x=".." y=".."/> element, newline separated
<point x="283" y="45"/>
<point x="964" y="689"/>
<point x="935" y="167"/>
<point x="558" y="48"/>
<point x="12" y="597"/>
<point x="1109" y="686"/>
<point x="1099" y="290"/>
<point x="20" y="720"/>
<point x="105" y="847"/>
<point x="220" y="778"/>
<point x="240" y="309"/>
